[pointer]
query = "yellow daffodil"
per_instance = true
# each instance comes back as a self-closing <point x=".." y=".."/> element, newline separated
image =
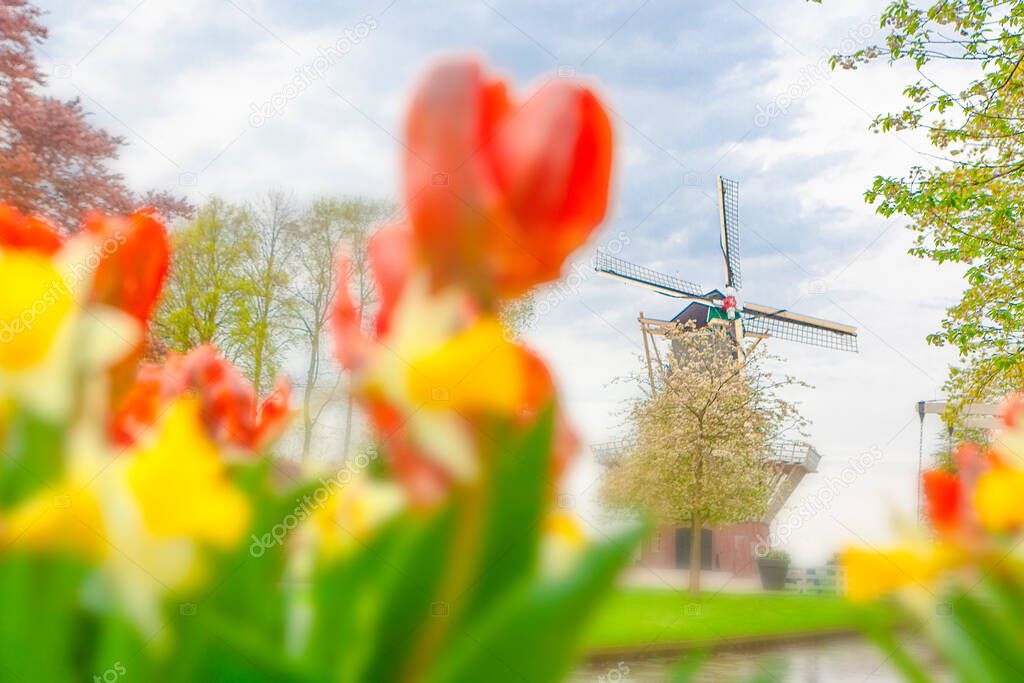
<point x="870" y="574"/>
<point x="61" y="517"/>
<point x="181" y="485"/>
<point x="34" y="304"/>
<point x="422" y="323"/>
<point x="353" y="512"/>
<point x="47" y="334"/>
<point x="142" y="516"/>
<point x="997" y="499"/>
<point x="562" y="542"/>
<point x="476" y="370"/>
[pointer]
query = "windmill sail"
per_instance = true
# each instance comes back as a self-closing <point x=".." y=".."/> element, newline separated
<point x="765" y="321"/>
<point x="729" y="214"/>
<point x="652" y="279"/>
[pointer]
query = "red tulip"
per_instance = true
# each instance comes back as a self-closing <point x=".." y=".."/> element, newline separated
<point x="1012" y="410"/>
<point x="229" y="406"/>
<point x="944" y="495"/>
<point x="18" y="231"/>
<point x="134" y="253"/>
<point x="500" y="192"/>
<point x="390" y="259"/>
<point x="424" y="480"/>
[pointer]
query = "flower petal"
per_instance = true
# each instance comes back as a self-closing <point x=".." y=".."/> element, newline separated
<point x="31" y="233"/>
<point x="134" y="253"/>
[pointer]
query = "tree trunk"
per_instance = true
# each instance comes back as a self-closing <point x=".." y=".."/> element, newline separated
<point x="696" y="532"/>
<point x="348" y="424"/>
<point x="307" y="397"/>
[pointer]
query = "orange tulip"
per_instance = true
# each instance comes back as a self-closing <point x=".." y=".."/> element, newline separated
<point x="1012" y="410"/>
<point x="228" y="404"/>
<point x="390" y="259"/>
<point x="134" y="255"/>
<point x="18" y="231"/>
<point x="501" y="192"/>
<point x="944" y="495"/>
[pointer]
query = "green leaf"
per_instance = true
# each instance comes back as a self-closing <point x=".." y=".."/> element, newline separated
<point x="346" y="600"/>
<point x="517" y="498"/>
<point x="31" y="456"/>
<point x="413" y="571"/>
<point x="979" y="647"/>
<point x="532" y="635"/>
<point x="39" y="614"/>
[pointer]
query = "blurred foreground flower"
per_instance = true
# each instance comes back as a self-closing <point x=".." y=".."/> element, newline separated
<point x="499" y="196"/>
<point x="55" y="325"/>
<point x="501" y="190"/>
<point x="228" y="404"/>
<point x="970" y="571"/>
<point x="143" y="522"/>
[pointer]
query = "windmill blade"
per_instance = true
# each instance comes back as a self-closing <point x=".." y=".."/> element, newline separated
<point x="778" y="323"/>
<point x="662" y="284"/>
<point x="729" y="215"/>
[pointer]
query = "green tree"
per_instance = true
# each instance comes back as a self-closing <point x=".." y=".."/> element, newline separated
<point x="700" y="455"/>
<point x="204" y="300"/>
<point x="967" y="205"/>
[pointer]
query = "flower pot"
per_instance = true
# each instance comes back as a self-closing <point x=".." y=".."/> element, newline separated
<point x="773" y="573"/>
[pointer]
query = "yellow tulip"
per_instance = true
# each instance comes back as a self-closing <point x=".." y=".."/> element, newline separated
<point x="181" y="482"/>
<point x="34" y="303"/>
<point x="60" y="517"/>
<point x="870" y="574"/>
<point x="477" y="369"/>
<point x="997" y="499"/>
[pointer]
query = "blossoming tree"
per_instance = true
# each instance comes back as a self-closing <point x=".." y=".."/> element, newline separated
<point x="702" y="439"/>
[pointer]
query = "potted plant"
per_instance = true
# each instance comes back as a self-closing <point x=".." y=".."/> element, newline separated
<point x="773" y="567"/>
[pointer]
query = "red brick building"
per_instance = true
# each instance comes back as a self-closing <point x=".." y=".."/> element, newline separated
<point x="731" y="548"/>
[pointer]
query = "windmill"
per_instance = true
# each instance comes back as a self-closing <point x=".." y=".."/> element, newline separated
<point x="791" y="460"/>
<point x="724" y="307"/>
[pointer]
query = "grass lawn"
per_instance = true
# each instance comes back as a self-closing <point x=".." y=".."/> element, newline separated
<point x="645" y="617"/>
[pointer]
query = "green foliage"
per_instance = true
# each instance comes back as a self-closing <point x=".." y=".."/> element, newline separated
<point x="640" y="617"/>
<point x="455" y="593"/>
<point x="974" y="630"/>
<point x="967" y="207"/>
<point x="205" y="297"/>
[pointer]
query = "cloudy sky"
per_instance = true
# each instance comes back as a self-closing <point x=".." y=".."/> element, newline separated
<point x="205" y="92"/>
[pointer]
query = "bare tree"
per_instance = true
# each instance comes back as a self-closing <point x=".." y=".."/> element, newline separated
<point x="327" y="225"/>
<point x="268" y="300"/>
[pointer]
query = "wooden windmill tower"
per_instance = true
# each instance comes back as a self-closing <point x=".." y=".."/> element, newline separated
<point x="744" y="321"/>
